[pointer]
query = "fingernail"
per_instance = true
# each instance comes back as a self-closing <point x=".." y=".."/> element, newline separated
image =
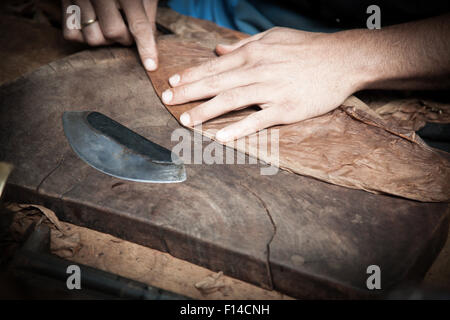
<point x="173" y="80"/>
<point x="167" y="95"/>
<point x="222" y="135"/>
<point x="150" y="64"/>
<point x="185" y="119"/>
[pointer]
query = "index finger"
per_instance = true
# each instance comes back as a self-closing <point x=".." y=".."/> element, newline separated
<point x="142" y="30"/>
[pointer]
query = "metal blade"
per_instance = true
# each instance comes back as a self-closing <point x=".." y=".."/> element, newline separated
<point x="114" y="149"/>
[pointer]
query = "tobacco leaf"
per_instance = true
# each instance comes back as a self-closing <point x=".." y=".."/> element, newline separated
<point x="351" y="146"/>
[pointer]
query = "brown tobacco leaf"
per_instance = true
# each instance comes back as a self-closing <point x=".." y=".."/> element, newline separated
<point x="412" y="114"/>
<point x="63" y="242"/>
<point x="212" y="283"/>
<point x="49" y="214"/>
<point x="351" y="146"/>
<point x="65" y="245"/>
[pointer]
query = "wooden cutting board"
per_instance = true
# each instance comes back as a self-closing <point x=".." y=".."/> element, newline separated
<point x="298" y="235"/>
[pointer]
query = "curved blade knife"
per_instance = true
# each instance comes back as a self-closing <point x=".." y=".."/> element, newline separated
<point x="114" y="149"/>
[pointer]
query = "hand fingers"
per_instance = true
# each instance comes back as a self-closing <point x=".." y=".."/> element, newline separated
<point x="222" y="49"/>
<point x="253" y="123"/>
<point x="150" y="7"/>
<point x="208" y="87"/>
<point x="111" y="23"/>
<point x="69" y="34"/>
<point x="142" y="30"/>
<point x="92" y="33"/>
<point x="207" y="69"/>
<point x="227" y="101"/>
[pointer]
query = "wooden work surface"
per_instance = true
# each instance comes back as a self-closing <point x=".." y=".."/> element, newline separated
<point x="298" y="235"/>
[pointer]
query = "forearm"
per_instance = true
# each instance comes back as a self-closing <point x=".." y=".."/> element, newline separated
<point x="411" y="56"/>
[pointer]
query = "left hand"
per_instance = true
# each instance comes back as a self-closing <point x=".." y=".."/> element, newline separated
<point x="292" y="75"/>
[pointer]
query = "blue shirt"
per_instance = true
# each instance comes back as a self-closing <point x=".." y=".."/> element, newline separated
<point x="254" y="16"/>
<point x="247" y="16"/>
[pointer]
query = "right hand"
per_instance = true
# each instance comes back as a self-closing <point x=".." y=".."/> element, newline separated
<point x="110" y="27"/>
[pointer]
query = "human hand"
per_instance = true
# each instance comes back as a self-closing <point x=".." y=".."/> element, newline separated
<point x="292" y="75"/>
<point x="109" y="26"/>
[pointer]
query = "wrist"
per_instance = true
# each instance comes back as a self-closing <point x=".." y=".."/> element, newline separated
<point x="361" y="66"/>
